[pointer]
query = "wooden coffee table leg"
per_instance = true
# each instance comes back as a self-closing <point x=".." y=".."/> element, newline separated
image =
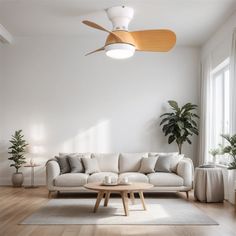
<point x="132" y="198"/>
<point x="107" y="198"/>
<point x="142" y="200"/>
<point x="125" y="202"/>
<point x="99" y="198"/>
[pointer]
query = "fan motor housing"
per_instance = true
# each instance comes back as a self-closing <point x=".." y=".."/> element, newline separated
<point x="120" y="17"/>
<point x="125" y="36"/>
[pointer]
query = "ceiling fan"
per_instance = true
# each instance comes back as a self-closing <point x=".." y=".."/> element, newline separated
<point x="121" y="44"/>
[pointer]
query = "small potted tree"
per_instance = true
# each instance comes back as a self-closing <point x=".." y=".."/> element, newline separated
<point x="17" y="151"/>
<point x="180" y="124"/>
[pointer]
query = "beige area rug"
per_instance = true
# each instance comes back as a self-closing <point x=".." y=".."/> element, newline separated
<point x="80" y="211"/>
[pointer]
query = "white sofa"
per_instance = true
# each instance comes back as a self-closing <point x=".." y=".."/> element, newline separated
<point x="179" y="181"/>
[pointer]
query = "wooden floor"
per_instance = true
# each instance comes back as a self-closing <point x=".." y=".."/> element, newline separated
<point x="18" y="203"/>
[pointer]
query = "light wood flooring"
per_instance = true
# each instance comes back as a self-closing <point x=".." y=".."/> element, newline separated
<point x="18" y="203"/>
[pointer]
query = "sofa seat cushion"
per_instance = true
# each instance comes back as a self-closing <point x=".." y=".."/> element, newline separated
<point x="134" y="177"/>
<point x="99" y="177"/>
<point x="71" y="180"/>
<point x="165" y="179"/>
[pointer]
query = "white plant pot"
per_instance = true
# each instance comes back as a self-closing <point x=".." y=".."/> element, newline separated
<point x="17" y="179"/>
<point x="231" y="185"/>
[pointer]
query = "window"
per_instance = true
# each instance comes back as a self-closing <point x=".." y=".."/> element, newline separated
<point x="220" y="102"/>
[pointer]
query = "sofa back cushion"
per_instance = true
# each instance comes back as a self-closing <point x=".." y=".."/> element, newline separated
<point x="130" y="162"/>
<point x="108" y="162"/>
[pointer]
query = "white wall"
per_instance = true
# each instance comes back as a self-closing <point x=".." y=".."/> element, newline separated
<point x="219" y="44"/>
<point x="1" y="78"/>
<point x="65" y="101"/>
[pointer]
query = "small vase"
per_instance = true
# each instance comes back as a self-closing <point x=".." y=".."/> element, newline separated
<point x="214" y="160"/>
<point x="17" y="179"/>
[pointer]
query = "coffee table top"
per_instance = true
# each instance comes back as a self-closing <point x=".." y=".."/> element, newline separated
<point x="118" y="188"/>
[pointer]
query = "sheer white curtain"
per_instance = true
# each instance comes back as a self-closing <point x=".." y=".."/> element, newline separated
<point x="205" y="118"/>
<point x="232" y="69"/>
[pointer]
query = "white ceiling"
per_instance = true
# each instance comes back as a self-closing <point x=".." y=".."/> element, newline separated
<point x="192" y="20"/>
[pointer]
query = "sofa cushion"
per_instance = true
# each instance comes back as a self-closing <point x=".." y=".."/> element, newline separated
<point x="71" y="180"/>
<point x="64" y="164"/>
<point x="165" y="179"/>
<point x="99" y="177"/>
<point x="130" y="162"/>
<point x="134" y="177"/>
<point x="90" y="165"/>
<point x="148" y="165"/>
<point x="107" y="162"/>
<point x="76" y="164"/>
<point x="163" y="163"/>
<point x="167" y="162"/>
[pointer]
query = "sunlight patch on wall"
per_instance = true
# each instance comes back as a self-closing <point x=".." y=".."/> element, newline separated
<point x="37" y="133"/>
<point x="94" y="139"/>
<point x="36" y="148"/>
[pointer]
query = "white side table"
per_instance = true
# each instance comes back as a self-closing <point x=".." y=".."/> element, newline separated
<point x="209" y="185"/>
<point x="32" y="166"/>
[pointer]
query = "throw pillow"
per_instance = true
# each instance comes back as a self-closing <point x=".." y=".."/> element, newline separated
<point x="148" y="165"/>
<point x="163" y="163"/>
<point x="90" y="165"/>
<point x="64" y="164"/>
<point x="76" y="163"/>
<point x="108" y="162"/>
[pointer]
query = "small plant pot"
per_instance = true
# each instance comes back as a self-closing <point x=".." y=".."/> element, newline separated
<point x="17" y="179"/>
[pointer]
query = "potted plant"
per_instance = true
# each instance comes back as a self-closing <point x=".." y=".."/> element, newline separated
<point x="180" y="124"/>
<point x="231" y="150"/>
<point x="17" y="151"/>
<point x="214" y="152"/>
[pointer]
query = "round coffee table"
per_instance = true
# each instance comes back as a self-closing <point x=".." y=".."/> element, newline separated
<point x="124" y="190"/>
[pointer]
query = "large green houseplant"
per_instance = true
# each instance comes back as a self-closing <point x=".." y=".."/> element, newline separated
<point x="230" y="149"/>
<point x="17" y="151"/>
<point x="180" y="124"/>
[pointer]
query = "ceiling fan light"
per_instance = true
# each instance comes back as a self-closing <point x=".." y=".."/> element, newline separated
<point x="120" y="50"/>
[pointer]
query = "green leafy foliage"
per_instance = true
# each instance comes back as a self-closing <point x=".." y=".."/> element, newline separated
<point x="17" y="150"/>
<point x="230" y="149"/>
<point x="215" y="151"/>
<point x="180" y="124"/>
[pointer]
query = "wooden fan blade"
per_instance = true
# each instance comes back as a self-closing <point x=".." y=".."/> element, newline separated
<point x="154" y="40"/>
<point x="95" y="26"/>
<point x="99" y="27"/>
<point x="97" y="50"/>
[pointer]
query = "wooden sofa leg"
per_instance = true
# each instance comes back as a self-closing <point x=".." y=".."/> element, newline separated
<point x="187" y="194"/>
<point x="50" y="194"/>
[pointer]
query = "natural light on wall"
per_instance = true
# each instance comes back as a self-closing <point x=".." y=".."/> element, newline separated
<point x="94" y="139"/>
<point x="220" y="103"/>
<point x="36" y="147"/>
